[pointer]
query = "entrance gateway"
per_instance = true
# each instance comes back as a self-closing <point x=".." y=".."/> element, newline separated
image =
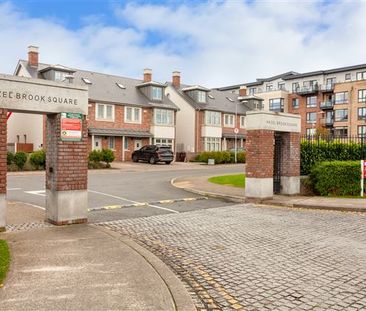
<point x="273" y="154"/>
<point x="65" y="107"/>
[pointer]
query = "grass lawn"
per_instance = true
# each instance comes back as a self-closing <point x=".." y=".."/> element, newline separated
<point x="4" y="260"/>
<point x="237" y="180"/>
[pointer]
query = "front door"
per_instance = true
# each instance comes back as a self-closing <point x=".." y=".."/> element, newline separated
<point x="97" y="143"/>
<point x="138" y="144"/>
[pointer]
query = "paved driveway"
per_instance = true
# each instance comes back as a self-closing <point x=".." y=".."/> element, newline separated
<point x="259" y="258"/>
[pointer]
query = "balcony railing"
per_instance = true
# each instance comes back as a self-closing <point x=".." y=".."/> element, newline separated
<point x="328" y="122"/>
<point x="327" y="104"/>
<point x="327" y="87"/>
<point x="307" y="90"/>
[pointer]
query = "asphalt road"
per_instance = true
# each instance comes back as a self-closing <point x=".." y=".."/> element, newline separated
<point x="125" y="187"/>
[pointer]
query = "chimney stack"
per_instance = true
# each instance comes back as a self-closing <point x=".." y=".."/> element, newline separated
<point x="243" y="91"/>
<point x="147" y="75"/>
<point x="33" y="56"/>
<point x="176" y="79"/>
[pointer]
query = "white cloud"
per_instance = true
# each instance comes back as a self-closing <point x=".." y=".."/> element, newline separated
<point x="213" y="43"/>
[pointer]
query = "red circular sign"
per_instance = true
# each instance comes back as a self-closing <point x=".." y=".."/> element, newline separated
<point x="236" y="130"/>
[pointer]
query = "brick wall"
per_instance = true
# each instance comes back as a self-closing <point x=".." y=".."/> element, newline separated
<point x="260" y="152"/>
<point x="3" y="150"/>
<point x="303" y="110"/>
<point x="290" y="160"/>
<point x="67" y="160"/>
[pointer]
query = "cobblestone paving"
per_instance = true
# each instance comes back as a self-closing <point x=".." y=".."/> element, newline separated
<point x="259" y="258"/>
<point x="28" y="226"/>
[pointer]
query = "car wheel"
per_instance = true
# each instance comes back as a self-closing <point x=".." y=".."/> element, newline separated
<point x="152" y="160"/>
<point x="134" y="158"/>
<point x="168" y="162"/>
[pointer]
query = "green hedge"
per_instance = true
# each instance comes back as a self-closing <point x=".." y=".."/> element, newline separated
<point x="336" y="178"/>
<point x="221" y="157"/>
<point x="319" y="151"/>
<point x="97" y="156"/>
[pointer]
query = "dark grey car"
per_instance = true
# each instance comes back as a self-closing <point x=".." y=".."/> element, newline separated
<point x="153" y="154"/>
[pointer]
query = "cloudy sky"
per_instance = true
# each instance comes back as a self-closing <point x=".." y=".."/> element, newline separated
<point x="212" y="43"/>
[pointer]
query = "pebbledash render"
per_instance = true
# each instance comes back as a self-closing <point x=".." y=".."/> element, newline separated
<point x="332" y="101"/>
<point x="123" y="113"/>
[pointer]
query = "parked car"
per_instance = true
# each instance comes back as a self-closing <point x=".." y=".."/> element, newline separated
<point x="153" y="154"/>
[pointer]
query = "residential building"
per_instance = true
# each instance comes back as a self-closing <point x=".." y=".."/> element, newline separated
<point x="124" y="114"/>
<point x="330" y="101"/>
<point x="208" y="119"/>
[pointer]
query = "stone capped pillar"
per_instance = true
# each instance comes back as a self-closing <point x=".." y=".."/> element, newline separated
<point x="3" y="167"/>
<point x="259" y="168"/>
<point x="290" y="168"/>
<point x="66" y="175"/>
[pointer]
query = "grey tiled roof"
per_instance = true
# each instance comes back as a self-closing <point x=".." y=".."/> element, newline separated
<point x="105" y="89"/>
<point x="219" y="102"/>
<point x="118" y="132"/>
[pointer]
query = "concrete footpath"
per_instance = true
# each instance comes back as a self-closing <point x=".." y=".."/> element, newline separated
<point x="82" y="267"/>
<point x="201" y="185"/>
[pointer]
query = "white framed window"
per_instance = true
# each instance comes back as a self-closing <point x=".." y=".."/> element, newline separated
<point x="341" y="98"/>
<point x="212" y="143"/>
<point x="212" y="118"/>
<point x="201" y="96"/>
<point x="361" y="96"/>
<point x="104" y="112"/>
<point x="112" y="143"/>
<point x="361" y="75"/>
<point x="341" y="115"/>
<point x="229" y="120"/>
<point x="132" y="115"/>
<point x="242" y="122"/>
<point x="60" y="75"/>
<point x="361" y="130"/>
<point x="157" y="93"/>
<point x="164" y="142"/>
<point x="311" y="102"/>
<point x="125" y="146"/>
<point x="311" y="117"/>
<point x="164" y="116"/>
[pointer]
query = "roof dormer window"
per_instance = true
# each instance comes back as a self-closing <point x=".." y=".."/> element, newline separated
<point x="60" y="75"/>
<point x="156" y="93"/>
<point x="201" y="96"/>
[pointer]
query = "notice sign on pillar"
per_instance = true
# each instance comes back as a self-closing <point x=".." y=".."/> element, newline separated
<point x="71" y="126"/>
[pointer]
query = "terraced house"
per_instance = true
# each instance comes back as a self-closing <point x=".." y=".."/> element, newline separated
<point x="328" y="100"/>
<point x="124" y="113"/>
<point x="209" y="119"/>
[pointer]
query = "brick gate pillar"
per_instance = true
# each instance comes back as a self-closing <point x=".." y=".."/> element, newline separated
<point x="3" y="167"/>
<point x="290" y="166"/>
<point x="66" y="175"/>
<point x="259" y="164"/>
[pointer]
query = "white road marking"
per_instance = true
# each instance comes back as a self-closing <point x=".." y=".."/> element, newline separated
<point x="36" y="206"/>
<point x="120" y="198"/>
<point x="37" y="192"/>
<point x="12" y="189"/>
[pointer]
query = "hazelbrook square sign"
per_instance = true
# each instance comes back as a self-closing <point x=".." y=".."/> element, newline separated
<point x="41" y="96"/>
<point x="65" y="106"/>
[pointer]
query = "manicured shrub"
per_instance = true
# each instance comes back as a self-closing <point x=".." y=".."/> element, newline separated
<point x="336" y="178"/>
<point x="38" y="159"/>
<point x="20" y="159"/>
<point x="9" y="158"/>
<point x="107" y="156"/>
<point x="95" y="156"/>
<point x="313" y="152"/>
<point x="221" y="157"/>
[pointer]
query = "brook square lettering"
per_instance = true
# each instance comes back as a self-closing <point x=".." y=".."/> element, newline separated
<point x="38" y="98"/>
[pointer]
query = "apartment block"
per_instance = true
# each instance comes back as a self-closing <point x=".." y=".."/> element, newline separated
<point x="329" y="101"/>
